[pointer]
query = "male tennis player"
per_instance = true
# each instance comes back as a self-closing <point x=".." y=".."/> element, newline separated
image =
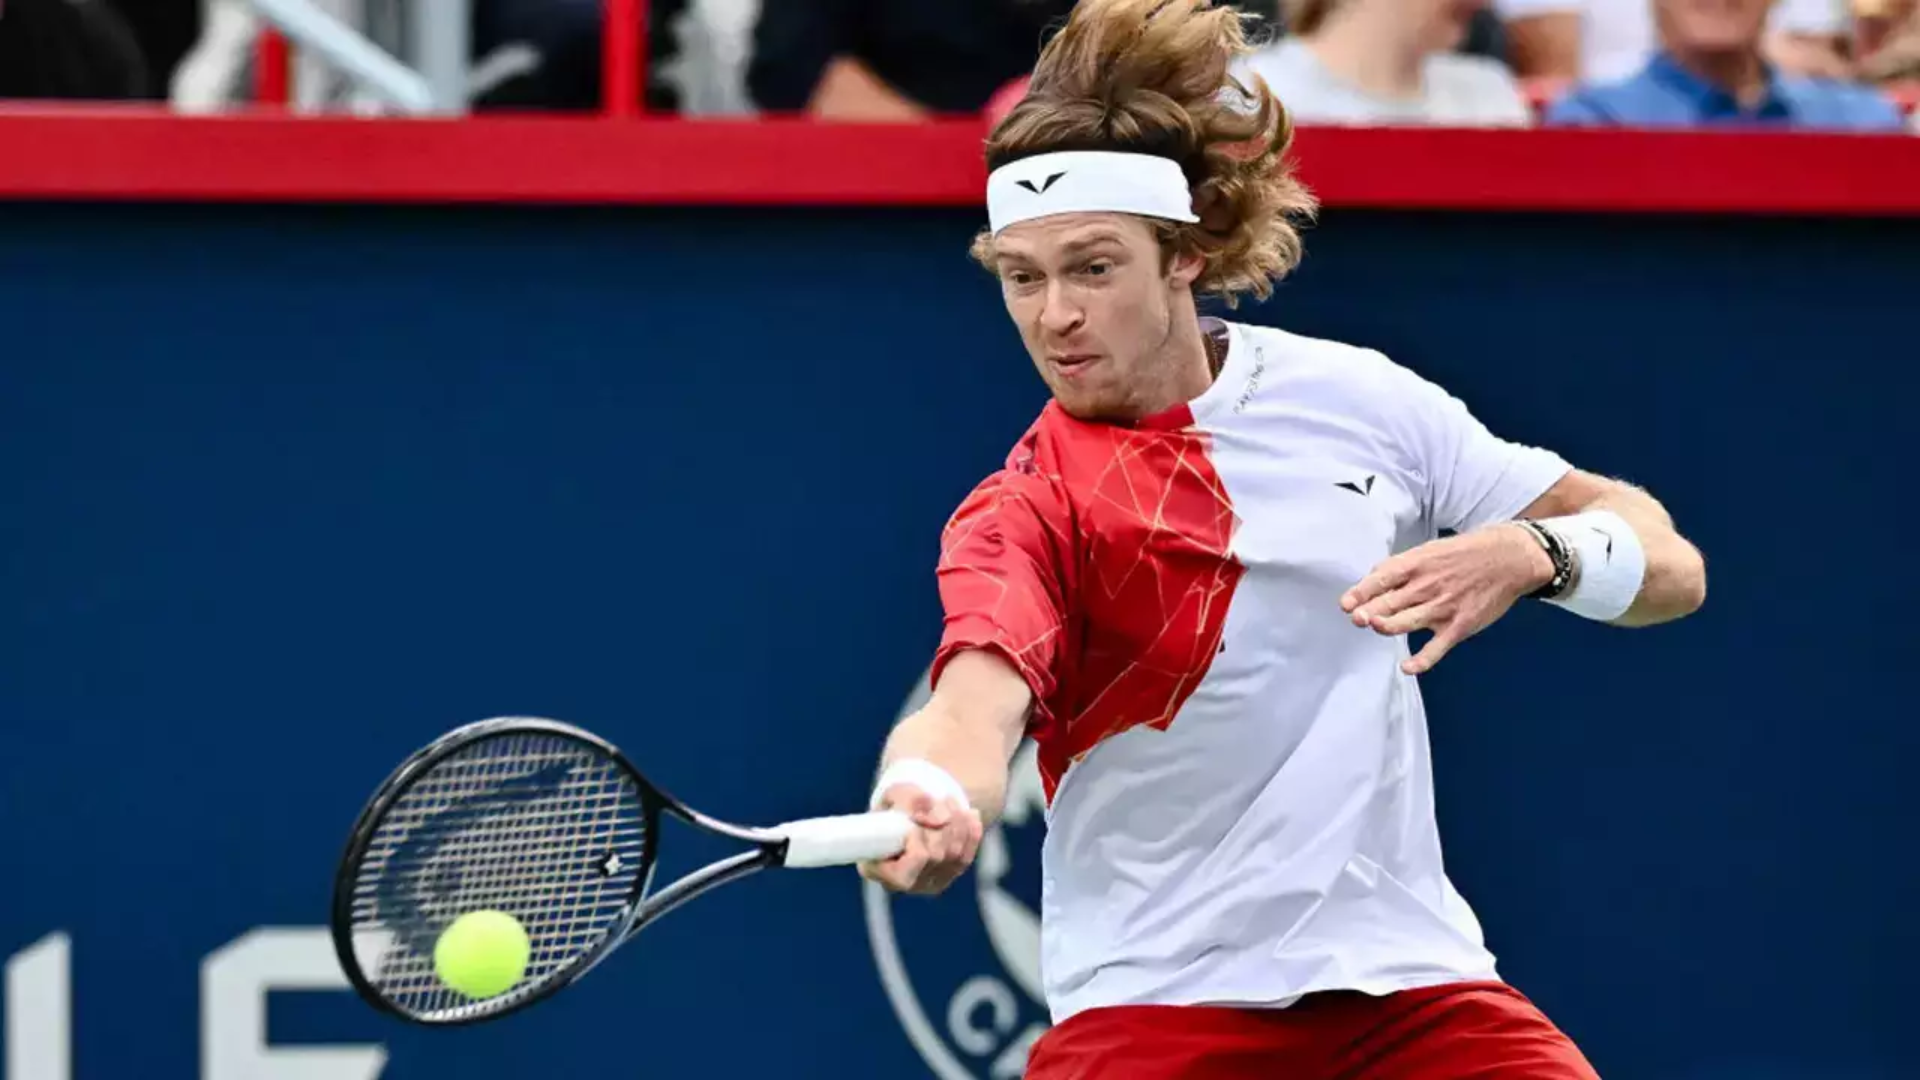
<point x="1192" y="583"/>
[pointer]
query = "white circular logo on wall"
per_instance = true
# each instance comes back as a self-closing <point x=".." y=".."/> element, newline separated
<point x="963" y="969"/>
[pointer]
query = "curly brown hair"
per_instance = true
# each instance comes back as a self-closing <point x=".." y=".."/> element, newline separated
<point x="1154" y="77"/>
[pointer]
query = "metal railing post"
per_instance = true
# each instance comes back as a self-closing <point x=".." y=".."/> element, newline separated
<point x="440" y="38"/>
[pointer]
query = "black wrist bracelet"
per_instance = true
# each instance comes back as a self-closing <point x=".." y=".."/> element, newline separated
<point x="1556" y="551"/>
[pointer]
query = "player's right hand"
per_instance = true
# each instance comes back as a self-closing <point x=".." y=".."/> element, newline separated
<point x="937" y="852"/>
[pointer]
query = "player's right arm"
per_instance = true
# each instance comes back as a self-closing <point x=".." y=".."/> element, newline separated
<point x="1004" y="581"/>
<point x="969" y="730"/>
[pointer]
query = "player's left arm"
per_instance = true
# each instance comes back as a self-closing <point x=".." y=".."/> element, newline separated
<point x="1604" y="549"/>
<point x="1673" y="584"/>
<point x="1526" y="524"/>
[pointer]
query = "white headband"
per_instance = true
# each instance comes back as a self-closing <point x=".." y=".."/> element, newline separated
<point x="1083" y="181"/>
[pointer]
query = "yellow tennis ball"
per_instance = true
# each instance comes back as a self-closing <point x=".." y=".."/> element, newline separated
<point x="482" y="953"/>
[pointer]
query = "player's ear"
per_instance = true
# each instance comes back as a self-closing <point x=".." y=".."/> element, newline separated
<point x="1185" y="267"/>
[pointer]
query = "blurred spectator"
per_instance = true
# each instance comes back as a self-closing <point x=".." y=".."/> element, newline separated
<point x="1602" y="40"/>
<point x="710" y="44"/>
<point x="1711" y="71"/>
<point x="166" y="30"/>
<point x="899" y="59"/>
<point x="1887" y="40"/>
<point x="1387" y="62"/>
<point x="70" y="49"/>
<point x="1809" y="37"/>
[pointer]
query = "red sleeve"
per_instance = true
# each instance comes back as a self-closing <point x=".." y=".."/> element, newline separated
<point x="1005" y="579"/>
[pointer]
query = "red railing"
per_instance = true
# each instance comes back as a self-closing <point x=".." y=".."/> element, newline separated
<point x="138" y="155"/>
<point x="273" y="69"/>
<point x="624" y="58"/>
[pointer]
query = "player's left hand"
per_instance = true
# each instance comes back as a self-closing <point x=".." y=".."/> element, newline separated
<point x="1455" y="587"/>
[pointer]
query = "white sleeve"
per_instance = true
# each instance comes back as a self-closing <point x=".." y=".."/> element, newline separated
<point x="1472" y="476"/>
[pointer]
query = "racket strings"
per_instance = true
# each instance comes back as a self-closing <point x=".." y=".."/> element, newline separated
<point x="585" y="895"/>
<point x="533" y="824"/>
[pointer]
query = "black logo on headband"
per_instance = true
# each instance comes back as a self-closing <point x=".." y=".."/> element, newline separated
<point x="1044" y="184"/>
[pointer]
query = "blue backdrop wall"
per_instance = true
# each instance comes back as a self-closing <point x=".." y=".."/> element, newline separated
<point x="285" y="492"/>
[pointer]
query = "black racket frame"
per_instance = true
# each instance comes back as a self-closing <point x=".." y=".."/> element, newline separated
<point x="768" y="849"/>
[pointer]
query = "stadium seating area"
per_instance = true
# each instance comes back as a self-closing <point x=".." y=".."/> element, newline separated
<point x="1346" y="61"/>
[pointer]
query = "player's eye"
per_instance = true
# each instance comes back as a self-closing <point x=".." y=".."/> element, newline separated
<point x="1098" y="268"/>
<point x="1021" y="278"/>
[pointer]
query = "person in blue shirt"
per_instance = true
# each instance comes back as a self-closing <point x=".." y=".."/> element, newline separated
<point x="1710" y="72"/>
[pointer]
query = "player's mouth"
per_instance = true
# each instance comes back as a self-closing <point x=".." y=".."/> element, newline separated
<point x="1072" y="364"/>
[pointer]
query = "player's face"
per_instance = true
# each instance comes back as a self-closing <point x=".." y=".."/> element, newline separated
<point x="1094" y="298"/>
<point x="1713" y="25"/>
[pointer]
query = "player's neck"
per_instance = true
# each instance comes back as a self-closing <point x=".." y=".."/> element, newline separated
<point x="1191" y="364"/>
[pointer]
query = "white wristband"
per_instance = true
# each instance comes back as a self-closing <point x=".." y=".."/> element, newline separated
<point x="924" y="775"/>
<point x="1611" y="563"/>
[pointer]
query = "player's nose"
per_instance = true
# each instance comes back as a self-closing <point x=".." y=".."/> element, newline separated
<point x="1060" y="315"/>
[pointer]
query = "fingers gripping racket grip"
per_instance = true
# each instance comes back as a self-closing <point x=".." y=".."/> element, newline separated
<point x="847" y="839"/>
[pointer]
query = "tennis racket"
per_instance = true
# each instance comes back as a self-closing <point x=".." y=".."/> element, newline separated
<point x="552" y="825"/>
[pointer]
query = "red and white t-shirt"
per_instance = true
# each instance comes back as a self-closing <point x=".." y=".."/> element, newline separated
<point x="1240" y="795"/>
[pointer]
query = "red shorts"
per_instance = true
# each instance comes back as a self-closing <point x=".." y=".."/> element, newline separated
<point x="1462" y="1031"/>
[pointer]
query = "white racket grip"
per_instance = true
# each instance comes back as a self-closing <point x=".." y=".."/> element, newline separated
<point x="846" y="839"/>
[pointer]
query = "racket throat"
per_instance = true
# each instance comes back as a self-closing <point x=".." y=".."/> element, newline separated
<point x="654" y="907"/>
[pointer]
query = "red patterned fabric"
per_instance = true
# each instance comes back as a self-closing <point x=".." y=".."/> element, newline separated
<point x="1116" y="627"/>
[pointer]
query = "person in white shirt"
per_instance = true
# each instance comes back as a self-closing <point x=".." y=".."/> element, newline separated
<point x="1191" y="584"/>
<point x="1387" y="62"/>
